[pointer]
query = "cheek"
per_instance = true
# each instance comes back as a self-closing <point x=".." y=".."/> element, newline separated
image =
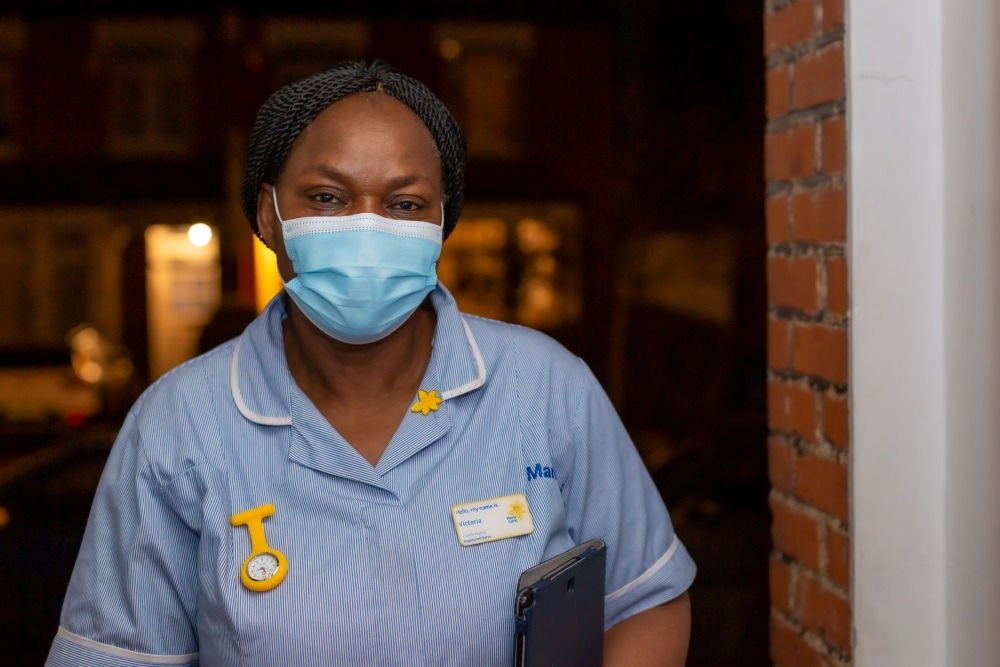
<point x="276" y="244"/>
<point x="284" y="264"/>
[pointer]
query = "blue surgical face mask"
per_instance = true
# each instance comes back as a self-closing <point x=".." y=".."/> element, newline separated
<point x="359" y="277"/>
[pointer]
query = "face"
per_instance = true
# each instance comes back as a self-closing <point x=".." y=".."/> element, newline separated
<point x="367" y="153"/>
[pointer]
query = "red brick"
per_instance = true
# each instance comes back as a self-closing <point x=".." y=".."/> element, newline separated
<point x="791" y="409"/>
<point x="795" y="534"/>
<point x="790" y="153"/>
<point x="836" y="285"/>
<point x="820" y="215"/>
<point x="838" y="551"/>
<point x="820" y="351"/>
<point x="778" y="86"/>
<point x="820" y="78"/>
<point x="833" y="15"/>
<point x="836" y="425"/>
<point x="791" y="282"/>
<point x="780" y="582"/>
<point x="834" y="145"/>
<point x="779" y="344"/>
<point x="822" y="483"/>
<point x="776" y="215"/>
<point x="825" y="612"/>
<point x="789" y="26"/>
<point x="788" y="649"/>
<point x="781" y="465"/>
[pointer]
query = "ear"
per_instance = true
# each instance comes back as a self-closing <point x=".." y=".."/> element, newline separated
<point x="267" y="220"/>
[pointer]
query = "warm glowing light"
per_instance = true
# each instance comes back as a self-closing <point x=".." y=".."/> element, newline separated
<point x="450" y="48"/>
<point x="90" y="371"/>
<point x="183" y="291"/>
<point x="85" y="339"/>
<point x="122" y="368"/>
<point x="199" y="234"/>
<point x="267" y="281"/>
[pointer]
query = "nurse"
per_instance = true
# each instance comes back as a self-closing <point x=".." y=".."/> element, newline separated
<point x="363" y="474"/>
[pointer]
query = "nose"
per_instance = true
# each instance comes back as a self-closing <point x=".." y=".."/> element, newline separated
<point x="365" y="204"/>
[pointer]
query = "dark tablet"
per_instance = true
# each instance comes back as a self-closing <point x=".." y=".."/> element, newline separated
<point x="560" y="610"/>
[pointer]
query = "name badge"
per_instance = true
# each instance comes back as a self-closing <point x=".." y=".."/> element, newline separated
<point x="493" y="519"/>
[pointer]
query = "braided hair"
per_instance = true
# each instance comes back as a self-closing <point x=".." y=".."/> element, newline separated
<point x="291" y="109"/>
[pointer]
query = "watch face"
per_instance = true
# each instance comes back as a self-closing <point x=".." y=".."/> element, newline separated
<point x="262" y="567"/>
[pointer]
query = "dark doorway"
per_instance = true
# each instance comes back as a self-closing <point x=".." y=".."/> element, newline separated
<point x="688" y="350"/>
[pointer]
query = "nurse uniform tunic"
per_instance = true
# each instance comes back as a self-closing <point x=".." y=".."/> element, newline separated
<point x="375" y="571"/>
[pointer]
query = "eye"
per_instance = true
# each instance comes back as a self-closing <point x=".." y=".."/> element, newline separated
<point x="325" y="198"/>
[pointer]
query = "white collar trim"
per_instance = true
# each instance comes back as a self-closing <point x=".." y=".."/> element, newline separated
<point x="264" y="420"/>
<point x="234" y="383"/>
<point x="480" y="378"/>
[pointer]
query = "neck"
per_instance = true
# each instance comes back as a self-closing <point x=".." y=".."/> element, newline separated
<point x="333" y="371"/>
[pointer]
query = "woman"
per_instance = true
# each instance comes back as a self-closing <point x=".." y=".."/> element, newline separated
<point x="294" y="496"/>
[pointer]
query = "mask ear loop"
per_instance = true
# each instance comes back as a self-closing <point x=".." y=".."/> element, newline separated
<point x="274" y="200"/>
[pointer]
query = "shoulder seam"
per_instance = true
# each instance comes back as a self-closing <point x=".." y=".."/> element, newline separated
<point x="200" y="358"/>
<point x="218" y="422"/>
<point x="490" y="320"/>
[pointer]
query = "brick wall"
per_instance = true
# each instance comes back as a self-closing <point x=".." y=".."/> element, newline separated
<point x="805" y="160"/>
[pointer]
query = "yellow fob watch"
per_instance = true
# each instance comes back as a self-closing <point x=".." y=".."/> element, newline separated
<point x="265" y="567"/>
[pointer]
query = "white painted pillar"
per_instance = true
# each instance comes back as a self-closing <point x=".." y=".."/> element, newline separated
<point x="971" y="231"/>
<point x="924" y="247"/>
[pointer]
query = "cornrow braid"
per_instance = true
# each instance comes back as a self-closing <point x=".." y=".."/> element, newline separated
<point x="291" y="109"/>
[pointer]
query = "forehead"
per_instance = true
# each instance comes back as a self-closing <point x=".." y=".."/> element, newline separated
<point x="366" y="123"/>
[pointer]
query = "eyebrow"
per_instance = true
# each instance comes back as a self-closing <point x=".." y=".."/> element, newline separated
<point x="395" y="183"/>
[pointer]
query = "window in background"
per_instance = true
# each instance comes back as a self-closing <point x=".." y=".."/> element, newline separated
<point x="149" y="84"/>
<point x="56" y="267"/>
<point x="516" y="262"/>
<point x="71" y="279"/>
<point x="16" y="251"/>
<point x="298" y="48"/>
<point x="483" y="78"/>
<point x="13" y="36"/>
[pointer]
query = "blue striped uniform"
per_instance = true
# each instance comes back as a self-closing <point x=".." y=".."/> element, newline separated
<point x="376" y="575"/>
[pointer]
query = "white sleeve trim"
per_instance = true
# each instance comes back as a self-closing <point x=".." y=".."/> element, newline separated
<point x="124" y="653"/>
<point x="645" y="576"/>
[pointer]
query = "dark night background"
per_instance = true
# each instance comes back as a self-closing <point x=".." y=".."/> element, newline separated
<point x="644" y="118"/>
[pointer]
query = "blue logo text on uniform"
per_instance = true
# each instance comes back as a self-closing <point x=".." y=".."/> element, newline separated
<point x="540" y="471"/>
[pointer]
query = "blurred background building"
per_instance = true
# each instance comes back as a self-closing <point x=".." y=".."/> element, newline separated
<point x="615" y="200"/>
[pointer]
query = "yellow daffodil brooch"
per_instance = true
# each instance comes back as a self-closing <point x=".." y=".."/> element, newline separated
<point x="428" y="401"/>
